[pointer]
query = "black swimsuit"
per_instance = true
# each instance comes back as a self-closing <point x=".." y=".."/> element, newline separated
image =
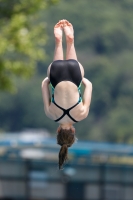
<point x="65" y="70"/>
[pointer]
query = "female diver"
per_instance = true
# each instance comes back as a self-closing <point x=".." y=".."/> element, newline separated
<point x="66" y="106"/>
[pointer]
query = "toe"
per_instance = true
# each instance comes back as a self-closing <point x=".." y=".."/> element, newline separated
<point x="65" y="23"/>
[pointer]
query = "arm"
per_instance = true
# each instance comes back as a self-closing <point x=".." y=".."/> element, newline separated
<point x="46" y="95"/>
<point x="87" y="95"/>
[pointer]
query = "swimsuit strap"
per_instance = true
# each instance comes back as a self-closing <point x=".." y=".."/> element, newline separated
<point x="66" y="112"/>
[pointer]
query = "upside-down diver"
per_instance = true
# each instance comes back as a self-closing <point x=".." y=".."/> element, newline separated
<point x="66" y="105"/>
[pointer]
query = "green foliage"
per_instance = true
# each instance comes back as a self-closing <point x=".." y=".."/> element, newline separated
<point x="22" y="38"/>
<point x="25" y="108"/>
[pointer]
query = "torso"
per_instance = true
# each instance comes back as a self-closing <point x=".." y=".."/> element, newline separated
<point x="66" y="95"/>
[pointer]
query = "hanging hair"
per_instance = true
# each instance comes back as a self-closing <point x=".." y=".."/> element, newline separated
<point x="65" y="138"/>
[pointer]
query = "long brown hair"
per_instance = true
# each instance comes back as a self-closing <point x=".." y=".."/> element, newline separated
<point x="65" y="138"/>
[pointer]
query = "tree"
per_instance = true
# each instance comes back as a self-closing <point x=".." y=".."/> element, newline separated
<point x="22" y="38"/>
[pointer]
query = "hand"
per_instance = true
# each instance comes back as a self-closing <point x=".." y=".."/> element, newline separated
<point x="46" y="81"/>
<point x="85" y="81"/>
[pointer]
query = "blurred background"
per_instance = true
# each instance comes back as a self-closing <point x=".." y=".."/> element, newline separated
<point x="100" y="165"/>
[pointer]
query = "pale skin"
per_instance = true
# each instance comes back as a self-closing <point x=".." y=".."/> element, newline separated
<point x="66" y="93"/>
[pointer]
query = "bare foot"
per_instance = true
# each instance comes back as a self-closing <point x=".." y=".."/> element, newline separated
<point x="69" y="32"/>
<point x="58" y="31"/>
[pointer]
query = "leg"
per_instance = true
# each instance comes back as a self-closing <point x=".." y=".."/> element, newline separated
<point x="69" y="32"/>
<point x="58" y="54"/>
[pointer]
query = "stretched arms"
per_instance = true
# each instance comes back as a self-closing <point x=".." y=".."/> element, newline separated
<point x="87" y="95"/>
<point x="46" y="95"/>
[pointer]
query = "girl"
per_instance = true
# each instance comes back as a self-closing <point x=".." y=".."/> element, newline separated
<point x="65" y="77"/>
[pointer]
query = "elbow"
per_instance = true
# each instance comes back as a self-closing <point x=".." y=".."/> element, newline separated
<point x="86" y="112"/>
<point x="46" y="111"/>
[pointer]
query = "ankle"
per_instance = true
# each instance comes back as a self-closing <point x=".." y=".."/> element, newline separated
<point x="58" y="41"/>
<point x="69" y="43"/>
<point x="70" y="39"/>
